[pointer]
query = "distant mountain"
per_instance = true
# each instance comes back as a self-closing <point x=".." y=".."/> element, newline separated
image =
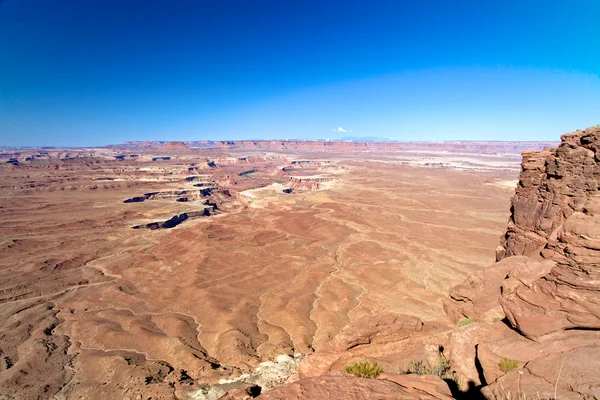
<point x="364" y="139"/>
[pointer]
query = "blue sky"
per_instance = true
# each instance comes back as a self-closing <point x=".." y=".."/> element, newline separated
<point x="94" y="72"/>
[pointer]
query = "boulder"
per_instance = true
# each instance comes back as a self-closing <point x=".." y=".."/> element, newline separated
<point x="572" y="374"/>
<point x="480" y="293"/>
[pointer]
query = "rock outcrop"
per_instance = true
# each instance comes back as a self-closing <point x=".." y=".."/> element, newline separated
<point x="556" y="216"/>
<point x="336" y="387"/>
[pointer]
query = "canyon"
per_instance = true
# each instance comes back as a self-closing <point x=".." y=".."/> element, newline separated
<point x="154" y="270"/>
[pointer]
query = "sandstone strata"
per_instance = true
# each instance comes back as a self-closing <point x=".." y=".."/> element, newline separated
<point x="556" y="216"/>
<point x="390" y="387"/>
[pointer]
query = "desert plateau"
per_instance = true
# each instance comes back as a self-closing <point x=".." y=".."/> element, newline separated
<point x="158" y="270"/>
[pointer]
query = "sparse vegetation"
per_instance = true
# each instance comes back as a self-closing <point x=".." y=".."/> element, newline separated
<point x="441" y="368"/>
<point x="508" y="365"/>
<point x="496" y="318"/>
<point x="417" y="367"/>
<point x="508" y="395"/>
<point x="503" y="394"/>
<point x="365" y="369"/>
<point x="465" y="321"/>
<point x="499" y="393"/>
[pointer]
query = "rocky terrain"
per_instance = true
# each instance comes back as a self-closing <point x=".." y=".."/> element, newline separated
<point x="528" y="326"/>
<point x="249" y="256"/>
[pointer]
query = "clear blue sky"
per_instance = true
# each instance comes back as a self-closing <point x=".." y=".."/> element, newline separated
<point x="93" y="72"/>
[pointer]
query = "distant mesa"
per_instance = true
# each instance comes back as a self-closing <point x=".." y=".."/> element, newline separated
<point x="174" y="146"/>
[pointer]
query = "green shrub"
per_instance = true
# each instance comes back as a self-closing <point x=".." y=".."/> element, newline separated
<point x="508" y="365"/>
<point x="496" y="318"/>
<point x="365" y="369"/>
<point x="465" y="321"/>
<point x="441" y="368"/>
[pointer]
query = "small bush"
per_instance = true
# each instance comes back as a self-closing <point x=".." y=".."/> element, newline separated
<point x="365" y="369"/>
<point x="415" y="367"/>
<point x="496" y="319"/>
<point x="441" y="369"/>
<point x="465" y="321"/>
<point x="508" y="365"/>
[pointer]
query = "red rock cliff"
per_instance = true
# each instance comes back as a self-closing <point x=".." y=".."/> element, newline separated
<point x="556" y="216"/>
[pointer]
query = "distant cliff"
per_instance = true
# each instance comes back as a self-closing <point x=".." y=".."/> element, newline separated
<point x="482" y="147"/>
<point x="491" y="147"/>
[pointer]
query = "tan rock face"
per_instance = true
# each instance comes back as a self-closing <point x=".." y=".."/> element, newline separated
<point x="553" y="185"/>
<point x="334" y="387"/>
<point x="481" y="292"/>
<point x="393" y="339"/>
<point x="555" y="215"/>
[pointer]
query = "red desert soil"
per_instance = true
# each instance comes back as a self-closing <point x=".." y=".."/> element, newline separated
<point x="92" y="308"/>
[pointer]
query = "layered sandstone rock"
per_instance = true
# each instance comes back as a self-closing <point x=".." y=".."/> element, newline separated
<point x="478" y="297"/>
<point x="553" y="185"/>
<point x="392" y="339"/>
<point x="556" y="215"/>
<point x="392" y="388"/>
